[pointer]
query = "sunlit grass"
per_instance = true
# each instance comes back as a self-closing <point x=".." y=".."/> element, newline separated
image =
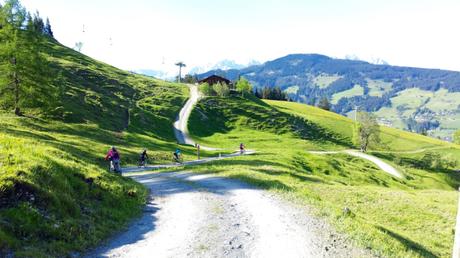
<point x="410" y="217"/>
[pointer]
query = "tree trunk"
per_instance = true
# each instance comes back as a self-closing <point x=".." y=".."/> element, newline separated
<point x="17" y="109"/>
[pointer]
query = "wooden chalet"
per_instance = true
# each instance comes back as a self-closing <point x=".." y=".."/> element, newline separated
<point x="214" y="79"/>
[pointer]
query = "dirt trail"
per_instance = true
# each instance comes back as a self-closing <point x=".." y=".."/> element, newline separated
<point x="193" y="215"/>
<point x="186" y="163"/>
<point x="380" y="163"/>
<point x="181" y="124"/>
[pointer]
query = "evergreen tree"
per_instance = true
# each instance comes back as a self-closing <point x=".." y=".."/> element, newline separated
<point x="312" y="101"/>
<point x="272" y="93"/>
<point x="39" y="25"/>
<point x="324" y="104"/>
<point x="29" y="23"/>
<point x="266" y="93"/>
<point x="257" y="93"/>
<point x="190" y="79"/>
<point x="48" y="30"/>
<point x="24" y="74"/>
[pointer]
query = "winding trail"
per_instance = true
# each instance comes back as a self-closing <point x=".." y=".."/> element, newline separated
<point x="380" y="163"/>
<point x="190" y="215"/>
<point x="181" y="123"/>
<point x="186" y="163"/>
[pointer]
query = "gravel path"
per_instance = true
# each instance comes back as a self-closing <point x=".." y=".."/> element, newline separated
<point x="186" y="163"/>
<point x="380" y="163"/>
<point x="181" y="124"/>
<point x="191" y="215"/>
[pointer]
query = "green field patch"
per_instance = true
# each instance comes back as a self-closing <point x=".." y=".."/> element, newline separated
<point x="324" y="80"/>
<point x="357" y="90"/>
<point x="445" y="105"/>
<point x="378" y="87"/>
<point x="443" y="100"/>
<point x="292" y="90"/>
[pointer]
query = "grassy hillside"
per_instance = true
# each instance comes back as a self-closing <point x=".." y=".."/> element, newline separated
<point x="409" y="217"/>
<point x="56" y="196"/>
<point x="383" y="89"/>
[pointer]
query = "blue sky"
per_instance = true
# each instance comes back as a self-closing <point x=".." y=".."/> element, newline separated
<point x="141" y="34"/>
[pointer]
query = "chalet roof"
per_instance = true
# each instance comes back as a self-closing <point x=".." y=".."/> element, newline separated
<point x="213" y="79"/>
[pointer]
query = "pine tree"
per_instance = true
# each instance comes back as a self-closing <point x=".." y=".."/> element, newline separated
<point x="24" y="78"/>
<point x="266" y="93"/>
<point x="257" y="93"/>
<point x="48" y="30"/>
<point x="39" y="26"/>
<point x="324" y="104"/>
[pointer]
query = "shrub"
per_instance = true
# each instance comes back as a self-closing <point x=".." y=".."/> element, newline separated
<point x="221" y="89"/>
<point x="206" y="89"/>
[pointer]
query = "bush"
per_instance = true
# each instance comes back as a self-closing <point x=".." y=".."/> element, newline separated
<point x="457" y="137"/>
<point x="431" y="160"/>
<point x="221" y="89"/>
<point x="206" y="89"/>
<point x="243" y="86"/>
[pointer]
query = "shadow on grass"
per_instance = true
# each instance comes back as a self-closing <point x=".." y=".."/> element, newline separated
<point x="409" y="244"/>
<point x="230" y="113"/>
<point x="27" y="134"/>
<point x="250" y="163"/>
<point x="452" y="177"/>
<point x="262" y="183"/>
<point x="294" y="175"/>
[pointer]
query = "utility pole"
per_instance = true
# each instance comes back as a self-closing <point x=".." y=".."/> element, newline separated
<point x="180" y="64"/>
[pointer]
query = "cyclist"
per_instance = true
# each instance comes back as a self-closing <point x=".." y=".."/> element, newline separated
<point x="242" y="147"/>
<point x="143" y="158"/>
<point x="114" y="157"/>
<point x="177" y="155"/>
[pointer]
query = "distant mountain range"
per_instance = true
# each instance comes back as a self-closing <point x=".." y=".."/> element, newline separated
<point x="172" y="73"/>
<point x="222" y="65"/>
<point x="164" y="75"/>
<point x="415" y="99"/>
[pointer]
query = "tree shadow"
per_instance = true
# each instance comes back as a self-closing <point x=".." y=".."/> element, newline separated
<point x="137" y="231"/>
<point x="227" y="115"/>
<point x="294" y="175"/>
<point x="453" y="177"/>
<point x="250" y="163"/>
<point x="409" y="244"/>
<point x="262" y="183"/>
<point x="27" y="134"/>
